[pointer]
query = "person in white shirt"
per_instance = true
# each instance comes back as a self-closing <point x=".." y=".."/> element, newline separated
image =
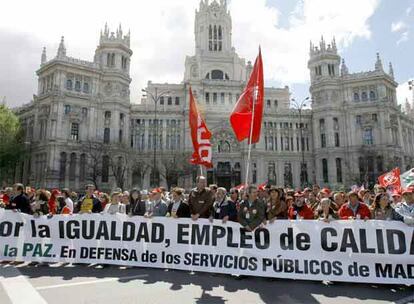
<point x="68" y="200"/>
<point x="115" y="206"/>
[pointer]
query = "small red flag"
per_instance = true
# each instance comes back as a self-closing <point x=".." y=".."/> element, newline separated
<point x="251" y="100"/>
<point x="391" y="178"/>
<point x="200" y="136"/>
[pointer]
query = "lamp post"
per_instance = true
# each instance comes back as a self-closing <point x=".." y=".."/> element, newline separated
<point x="299" y="106"/>
<point x="29" y="163"/>
<point x="155" y="98"/>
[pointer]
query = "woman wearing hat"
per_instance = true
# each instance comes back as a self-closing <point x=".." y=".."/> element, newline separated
<point x="276" y="206"/>
<point x="178" y="207"/>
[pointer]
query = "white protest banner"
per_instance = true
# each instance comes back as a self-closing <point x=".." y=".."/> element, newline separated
<point x="354" y="251"/>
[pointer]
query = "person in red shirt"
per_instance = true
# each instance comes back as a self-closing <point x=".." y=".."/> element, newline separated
<point x="52" y="203"/>
<point x="354" y="209"/>
<point x="300" y="210"/>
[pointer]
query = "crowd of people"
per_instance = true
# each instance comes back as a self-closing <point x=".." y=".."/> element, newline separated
<point x="252" y="207"/>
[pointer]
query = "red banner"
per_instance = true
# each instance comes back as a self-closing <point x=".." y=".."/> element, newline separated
<point x="391" y="179"/>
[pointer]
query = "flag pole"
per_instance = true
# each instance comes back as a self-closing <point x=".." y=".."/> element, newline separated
<point x="201" y="170"/>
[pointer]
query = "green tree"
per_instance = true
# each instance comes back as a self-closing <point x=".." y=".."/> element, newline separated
<point x="11" y="144"/>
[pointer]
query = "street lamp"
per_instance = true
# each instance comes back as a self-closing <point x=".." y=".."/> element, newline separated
<point x="299" y="106"/>
<point x="155" y="98"/>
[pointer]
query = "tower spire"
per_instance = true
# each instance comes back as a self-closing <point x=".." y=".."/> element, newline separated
<point x="43" y="58"/>
<point x="62" y="49"/>
<point x="378" y="64"/>
<point x="390" y="70"/>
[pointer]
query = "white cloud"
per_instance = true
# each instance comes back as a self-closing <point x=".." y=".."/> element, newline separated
<point x="162" y="33"/>
<point x="404" y="93"/>
<point x="398" y="26"/>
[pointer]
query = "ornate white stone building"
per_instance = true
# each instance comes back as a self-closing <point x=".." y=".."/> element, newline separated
<point x="81" y="126"/>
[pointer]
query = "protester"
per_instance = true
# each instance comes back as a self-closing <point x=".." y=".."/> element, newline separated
<point x="354" y="209"/>
<point x="339" y="200"/>
<point x="125" y="199"/>
<point x="234" y="197"/>
<point x="116" y="206"/>
<point x="19" y="202"/>
<point x="68" y="201"/>
<point x="252" y="211"/>
<point x="178" y="207"/>
<point x="381" y="209"/>
<point x="299" y="210"/>
<point x="157" y="206"/>
<point x="223" y="208"/>
<point x="137" y="205"/>
<point x="89" y="203"/>
<point x="213" y="189"/>
<point x="406" y="207"/>
<point x="200" y="200"/>
<point x="40" y="206"/>
<point x="325" y="212"/>
<point x="276" y="206"/>
<point x="104" y="199"/>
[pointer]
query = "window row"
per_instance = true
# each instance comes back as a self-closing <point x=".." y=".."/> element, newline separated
<point x="363" y="96"/>
<point x="67" y="109"/>
<point x="284" y="125"/>
<point x="214" y="98"/>
<point x="325" y="170"/>
<point x="72" y="163"/>
<point x="286" y="143"/>
<point x="215" y="38"/>
<point x="78" y="83"/>
<point x="169" y="101"/>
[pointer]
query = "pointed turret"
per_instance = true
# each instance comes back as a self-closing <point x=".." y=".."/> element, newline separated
<point x="62" y="49"/>
<point x="44" y="58"/>
<point x="378" y="64"/>
<point x="322" y="45"/>
<point x="344" y="68"/>
<point x="334" y="44"/>
<point x="390" y="70"/>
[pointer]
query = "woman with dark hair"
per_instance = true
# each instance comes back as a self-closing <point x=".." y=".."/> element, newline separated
<point x="178" y="207"/>
<point x="381" y="209"/>
<point x="137" y="205"/>
<point x="276" y="206"/>
<point x="40" y="206"/>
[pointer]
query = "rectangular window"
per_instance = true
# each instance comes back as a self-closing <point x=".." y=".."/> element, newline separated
<point x="74" y="131"/>
<point x="162" y="100"/>
<point x="120" y="136"/>
<point x="207" y="97"/>
<point x="281" y="143"/>
<point x="107" y="114"/>
<point x="105" y="169"/>
<point x="287" y="143"/>
<point x="325" y="170"/>
<point x="268" y="103"/>
<point x="214" y="98"/>
<point x="222" y="98"/>
<point x="85" y="112"/>
<point x="374" y="117"/>
<point x="177" y="101"/>
<point x="339" y="170"/>
<point x="230" y="98"/>
<point x="107" y="133"/>
<point x="368" y="137"/>
<point x="336" y="139"/>
<point x="67" y="109"/>
<point x="323" y="140"/>
<point x="169" y="101"/>
<point x="358" y="119"/>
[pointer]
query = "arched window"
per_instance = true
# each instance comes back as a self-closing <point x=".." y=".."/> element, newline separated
<point x="86" y="87"/>
<point x="62" y="166"/>
<point x="217" y="74"/>
<point x="72" y="167"/>
<point x="372" y="95"/>
<point x="364" y="96"/>
<point x="356" y="96"/>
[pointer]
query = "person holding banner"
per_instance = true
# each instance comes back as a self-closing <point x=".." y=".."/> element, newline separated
<point x="19" y="202"/>
<point x="178" y="207"/>
<point x="224" y="209"/>
<point x="157" y="206"/>
<point x="115" y="206"/>
<point x="406" y="208"/>
<point x="200" y="200"/>
<point x="89" y="203"/>
<point x="136" y="202"/>
<point x="354" y="209"/>
<point x="381" y="209"/>
<point x="299" y="210"/>
<point x="276" y="206"/>
<point x="252" y="211"/>
<point x="325" y="212"/>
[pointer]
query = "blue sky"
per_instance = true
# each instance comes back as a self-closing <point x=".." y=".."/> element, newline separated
<point x="162" y="35"/>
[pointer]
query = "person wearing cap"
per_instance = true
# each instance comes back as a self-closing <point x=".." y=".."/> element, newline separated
<point x="252" y="211"/>
<point x="20" y="201"/>
<point x="224" y="209"/>
<point x="89" y="203"/>
<point x="178" y="207"/>
<point x="406" y="207"/>
<point x="381" y="209"/>
<point x="115" y="206"/>
<point x="354" y="209"/>
<point x="136" y="202"/>
<point x="299" y="209"/>
<point x="200" y="200"/>
<point x="324" y="193"/>
<point x="276" y="206"/>
<point x="158" y="207"/>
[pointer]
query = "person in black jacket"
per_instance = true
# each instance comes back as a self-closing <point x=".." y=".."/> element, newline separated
<point x="20" y="201"/>
<point x="178" y="207"/>
<point x="223" y="208"/>
<point x="136" y="203"/>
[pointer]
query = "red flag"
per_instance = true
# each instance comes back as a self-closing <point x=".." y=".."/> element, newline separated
<point x="251" y="100"/>
<point x="241" y="187"/>
<point x="391" y="178"/>
<point x="200" y="136"/>
<point x="262" y="187"/>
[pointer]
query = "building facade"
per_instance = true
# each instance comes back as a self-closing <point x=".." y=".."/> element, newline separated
<point x="81" y="126"/>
